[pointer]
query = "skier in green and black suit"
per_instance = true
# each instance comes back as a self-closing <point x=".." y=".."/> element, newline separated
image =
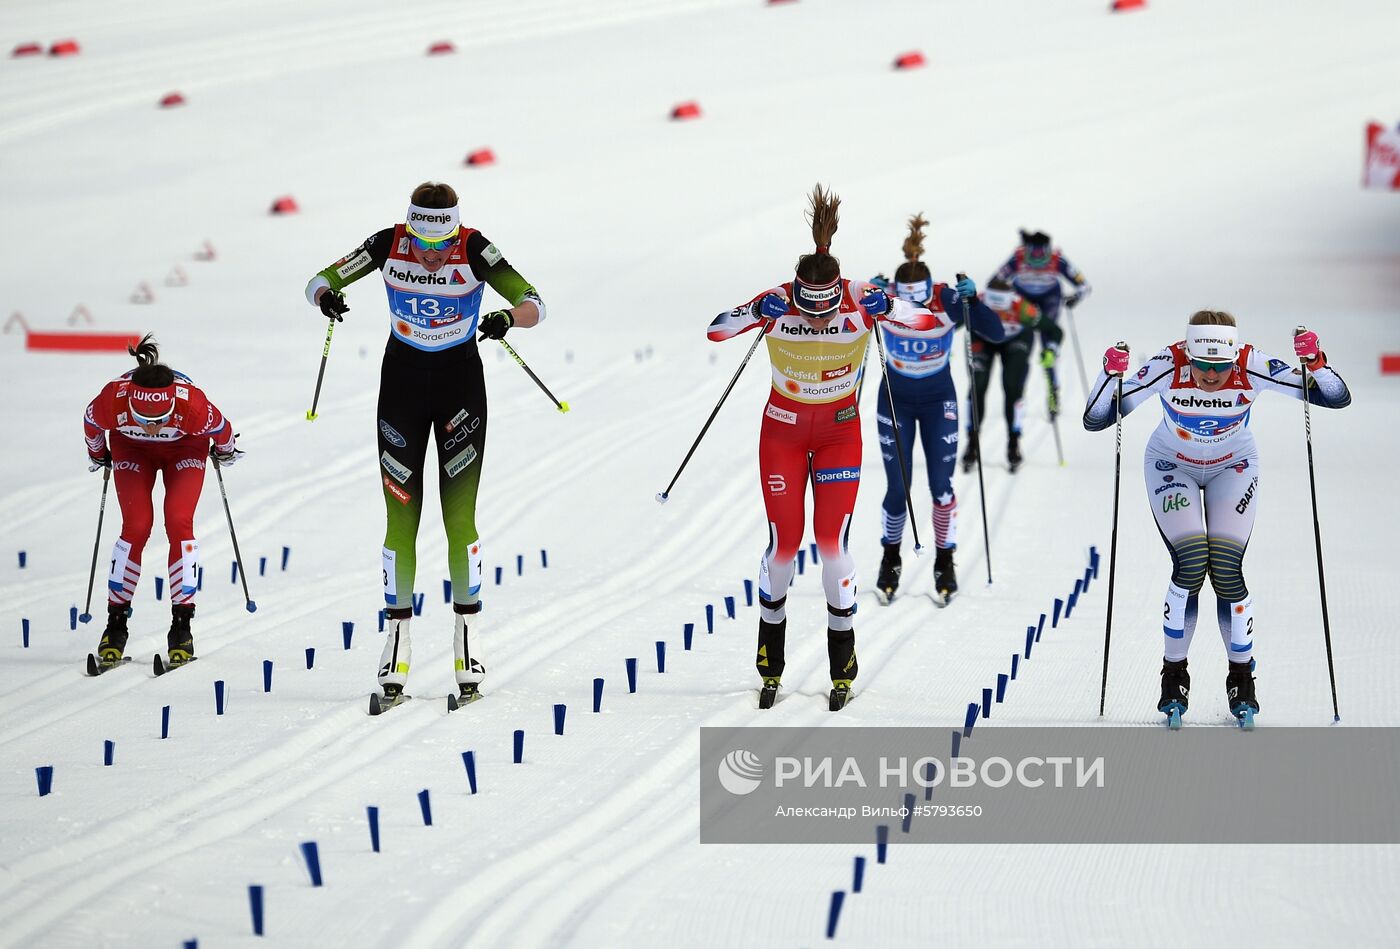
<point x="431" y="384"/>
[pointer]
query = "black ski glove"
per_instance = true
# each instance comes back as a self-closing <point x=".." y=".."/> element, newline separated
<point x="494" y="324"/>
<point x="333" y="305"/>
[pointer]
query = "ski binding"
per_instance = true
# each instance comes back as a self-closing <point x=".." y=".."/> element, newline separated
<point x="95" y="666"/>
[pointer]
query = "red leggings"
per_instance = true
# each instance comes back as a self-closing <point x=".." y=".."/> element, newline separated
<point x="821" y="444"/>
<point x="134" y="467"/>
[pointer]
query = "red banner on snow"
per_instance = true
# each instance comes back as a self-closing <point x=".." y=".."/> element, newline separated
<point x="1382" y="157"/>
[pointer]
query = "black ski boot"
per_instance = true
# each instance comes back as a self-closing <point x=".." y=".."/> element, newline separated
<point x="1176" y="691"/>
<point x="1013" y="451"/>
<point x="1239" y="690"/>
<point x="888" y="580"/>
<point x="113" y="644"/>
<point x="969" y="460"/>
<point x="841" y="653"/>
<point x="180" y="641"/>
<point x="945" y="577"/>
<point x="772" y="638"/>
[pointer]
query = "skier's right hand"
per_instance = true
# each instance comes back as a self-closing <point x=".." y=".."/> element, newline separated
<point x="772" y="306"/>
<point x="96" y="463"/>
<point x="1115" y="359"/>
<point x="332" y="304"/>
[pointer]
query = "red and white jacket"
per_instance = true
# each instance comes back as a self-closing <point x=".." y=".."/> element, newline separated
<point x="194" y="417"/>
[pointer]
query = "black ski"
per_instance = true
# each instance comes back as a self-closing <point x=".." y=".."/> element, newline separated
<point x="95" y="667"/>
<point x="160" y="667"/>
<point x="839" y="697"/>
<point x="469" y="694"/>
<point x="379" y="704"/>
<point x="768" y="694"/>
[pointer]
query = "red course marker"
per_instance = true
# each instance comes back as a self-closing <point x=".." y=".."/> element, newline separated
<point x="1390" y="364"/>
<point x="64" y="48"/>
<point x="686" y="110"/>
<point x="80" y="342"/>
<point x="481" y="156"/>
<point x="910" y="60"/>
<point x="27" y="49"/>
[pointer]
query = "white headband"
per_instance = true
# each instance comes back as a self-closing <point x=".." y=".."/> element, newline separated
<point x="432" y="224"/>
<point x="999" y="299"/>
<point x="1213" y="343"/>
<point x="918" y="292"/>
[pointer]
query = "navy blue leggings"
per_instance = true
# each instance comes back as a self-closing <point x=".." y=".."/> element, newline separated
<point x="933" y="419"/>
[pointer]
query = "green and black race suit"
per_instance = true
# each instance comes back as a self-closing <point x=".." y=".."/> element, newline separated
<point x="431" y="385"/>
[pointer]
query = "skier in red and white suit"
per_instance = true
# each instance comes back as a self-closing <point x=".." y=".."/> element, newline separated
<point x="159" y="422"/>
<point x="817" y="328"/>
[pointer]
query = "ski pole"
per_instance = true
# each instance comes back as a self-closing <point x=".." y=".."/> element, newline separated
<point x="1317" y="536"/>
<point x="561" y="406"/>
<point x="321" y="374"/>
<point x="898" y="445"/>
<point x="664" y="496"/>
<point x="92" y="571"/>
<point x="976" y="428"/>
<point x="1078" y="354"/>
<point x="1113" y="544"/>
<point x="249" y="605"/>
<point x="1054" y="406"/>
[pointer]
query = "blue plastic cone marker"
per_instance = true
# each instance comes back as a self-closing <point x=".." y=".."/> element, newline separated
<point x="286" y="553"/>
<point x="1055" y="621"/>
<point x="22" y="558"/>
<point x="469" y="762"/>
<point x="418" y="604"/>
<point x="160" y="587"/>
<point x="255" y="906"/>
<point x="597" y="695"/>
<point x="347" y="631"/>
<point x="631" y="675"/>
<point x="834" y="914"/>
<point x="1088" y="575"/>
<point x="165" y="721"/>
<point x="199" y="579"/>
<point x="218" y="696"/>
<point x="908" y="813"/>
<point x="729" y="606"/>
<point x="986" y="703"/>
<point x="709" y="618"/>
<point x="928" y="779"/>
<point x="24" y="632"/>
<point x="44" y="775"/>
<point x="544" y="559"/>
<point x="1073" y="599"/>
<point x="519" y="565"/>
<point x="688" y="635"/>
<point x="373" y="813"/>
<point x="1094" y="561"/>
<point x="425" y="807"/>
<point x="957" y="745"/>
<point x="859" y="880"/>
<point x="312" y="856"/>
<point x="660" y="655"/>
<point x="971" y="718"/>
<point x="882" y="842"/>
<point x="190" y="944"/>
<point x="381" y="620"/>
<point x="447" y="591"/>
<point x="499" y="573"/>
<point x="109" y="750"/>
<point x="801" y="560"/>
<point x="310" y="656"/>
<point x="72" y="617"/>
<point x="1015" y="661"/>
<point x="518" y="749"/>
<point x="233" y="572"/>
<point x="1001" y="687"/>
<point x="1030" y="640"/>
<point x="267" y="675"/>
<point x="558" y="719"/>
<point x="813" y="549"/>
<point x="1039" y="627"/>
<point x="262" y="566"/>
<point x="748" y="593"/>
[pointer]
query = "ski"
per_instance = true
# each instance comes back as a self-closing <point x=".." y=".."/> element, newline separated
<point x="840" y="695"/>
<point x="160" y="667"/>
<point x="768" y="694"/>
<point x="885" y="597"/>
<point x="468" y="695"/>
<point x="95" y="666"/>
<point x="379" y="704"/>
<point x="1245" y="715"/>
<point x="1173" y="717"/>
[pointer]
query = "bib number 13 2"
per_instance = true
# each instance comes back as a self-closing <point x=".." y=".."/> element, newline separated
<point x="426" y="306"/>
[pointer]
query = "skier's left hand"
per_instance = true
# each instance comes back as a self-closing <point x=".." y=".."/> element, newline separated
<point x="1078" y="297"/>
<point x="225" y="459"/>
<point x="967" y="289"/>
<point x="876" y="302"/>
<point x="96" y="463"/>
<point x="1305" y="345"/>
<point x="494" y="324"/>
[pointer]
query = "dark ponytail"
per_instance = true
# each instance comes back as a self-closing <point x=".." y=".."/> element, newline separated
<point x="150" y="372"/>
<point x="914" y="270"/>
<point x="819" y="267"/>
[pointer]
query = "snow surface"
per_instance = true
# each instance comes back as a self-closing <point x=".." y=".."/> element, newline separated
<point x="1200" y="152"/>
